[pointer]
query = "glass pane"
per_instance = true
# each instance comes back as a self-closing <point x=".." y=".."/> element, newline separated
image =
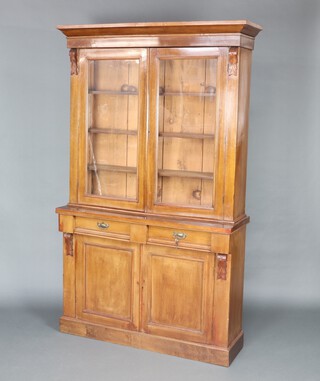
<point x="112" y="128"/>
<point x="186" y="128"/>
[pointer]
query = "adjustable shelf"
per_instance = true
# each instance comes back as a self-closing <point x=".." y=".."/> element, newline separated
<point x="180" y="173"/>
<point x="111" y="131"/>
<point x="187" y="94"/>
<point x="112" y="92"/>
<point x="112" y="168"/>
<point x="186" y="135"/>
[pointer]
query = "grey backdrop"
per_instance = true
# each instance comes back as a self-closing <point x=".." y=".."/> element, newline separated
<point x="283" y="191"/>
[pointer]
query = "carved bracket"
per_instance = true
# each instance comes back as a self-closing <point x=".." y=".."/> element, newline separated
<point x="68" y="243"/>
<point x="73" y="54"/>
<point x="233" y="62"/>
<point x="222" y="266"/>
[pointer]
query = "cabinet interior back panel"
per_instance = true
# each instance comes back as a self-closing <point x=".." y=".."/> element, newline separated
<point x="187" y="116"/>
<point x="112" y="136"/>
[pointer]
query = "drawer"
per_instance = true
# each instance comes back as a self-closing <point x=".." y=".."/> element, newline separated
<point x="104" y="227"/>
<point x="180" y="237"/>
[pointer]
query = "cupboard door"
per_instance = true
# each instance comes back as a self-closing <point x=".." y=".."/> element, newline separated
<point x="186" y="97"/>
<point x="112" y="130"/>
<point x="107" y="290"/>
<point x="177" y="293"/>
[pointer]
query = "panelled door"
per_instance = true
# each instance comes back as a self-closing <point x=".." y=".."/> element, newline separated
<point x="177" y="296"/>
<point x="107" y="281"/>
<point x="187" y="91"/>
<point x="112" y="129"/>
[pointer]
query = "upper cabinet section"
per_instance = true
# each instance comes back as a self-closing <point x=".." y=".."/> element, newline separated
<point x="159" y="117"/>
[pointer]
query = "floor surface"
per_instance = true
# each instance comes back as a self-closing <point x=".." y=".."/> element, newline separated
<point x="280" y="344"/>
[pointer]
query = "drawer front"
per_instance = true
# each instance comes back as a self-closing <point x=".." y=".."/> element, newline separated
<point x="104" y="227"/>
<point x="180" y="237"/>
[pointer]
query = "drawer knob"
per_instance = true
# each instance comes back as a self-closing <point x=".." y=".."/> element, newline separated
<point x="178" y="236"/>
<point x="102" y="225"/>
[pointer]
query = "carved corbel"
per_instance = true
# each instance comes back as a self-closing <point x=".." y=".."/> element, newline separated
<point x="222" y="266"/>
<point x="73" y="54"/>
<point x="68" y="243"/>
<point x="233" y="62"/>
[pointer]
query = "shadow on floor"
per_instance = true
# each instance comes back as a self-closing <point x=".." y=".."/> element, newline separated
<point x="49" y="314"/>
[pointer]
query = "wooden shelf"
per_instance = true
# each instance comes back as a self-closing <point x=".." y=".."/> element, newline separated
<point x="112" y="92"/>
<point x="113" y="131"/>
<point x="187" y="94"/>
<point x="190" y="174"/>
<point x="112" y="168"/>
<point x="185" y="135"/>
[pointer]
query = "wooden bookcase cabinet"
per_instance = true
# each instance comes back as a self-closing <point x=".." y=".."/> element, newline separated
<point x="154" y="231"/>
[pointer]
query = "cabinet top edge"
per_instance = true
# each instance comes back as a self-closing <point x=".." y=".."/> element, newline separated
<point x="161" y="28"/>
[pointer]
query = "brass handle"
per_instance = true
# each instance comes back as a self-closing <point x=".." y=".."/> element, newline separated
<point x="178" y="236"/>
<point x="102" y="225"/>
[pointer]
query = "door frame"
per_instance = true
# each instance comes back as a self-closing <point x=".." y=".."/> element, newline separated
<point x="205" y="333"/>
<point x="131" y="322"/>
<point x="218" y="192"/>
<point x="83" y="197"/>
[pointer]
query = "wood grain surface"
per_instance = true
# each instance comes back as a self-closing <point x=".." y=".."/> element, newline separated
<point x="154" y="232"/>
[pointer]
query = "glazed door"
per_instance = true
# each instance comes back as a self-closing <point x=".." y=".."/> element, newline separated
<point x="112" y="127"/>
<point x="107" y="289"/>
<point x="187" y="90"/>
<point x="177" y="293"/>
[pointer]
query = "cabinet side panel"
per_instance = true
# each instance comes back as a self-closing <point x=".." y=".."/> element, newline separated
<point x="236" y="287"/>
<point x="242" y="132"/>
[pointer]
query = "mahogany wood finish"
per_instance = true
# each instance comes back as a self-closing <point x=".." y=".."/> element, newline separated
<point x="187" y="27"/>
<point x="154" y="231"/>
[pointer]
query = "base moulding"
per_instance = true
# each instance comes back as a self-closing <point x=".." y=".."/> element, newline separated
<point x="194" y="351"/>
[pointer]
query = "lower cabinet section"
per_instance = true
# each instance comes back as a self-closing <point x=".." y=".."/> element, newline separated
<point x="162" y="297"/>
<point x="176" y="287"/>
<point x="107" y="281"/>
<point x="177" y="293"/>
